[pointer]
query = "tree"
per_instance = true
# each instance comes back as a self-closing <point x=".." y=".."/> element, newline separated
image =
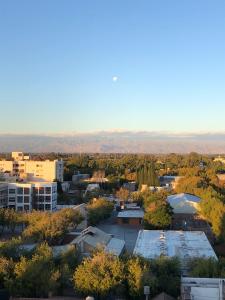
<point x="34" y="277"/>
<point x="207" y="267"/>
<point x="51" y="227"/>
<point x="137" y="276"/>
<point x="122" y="194"/>
<point x="105" y="275"/>
<point x="99" y="209"/>
<point x="158" y="212"/>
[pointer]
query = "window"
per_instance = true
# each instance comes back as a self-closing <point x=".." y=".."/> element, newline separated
<point x="20" y="208"/>
<point x="41" y="206"/>
<point x="12" y="206"/>
<point x="26" y="199"/>
<point x="36" y="190"/>
<point x="48" y="190"/>
<point x="41" y="190"/>
<point x="26" y="207"/>
<point x="48" y="198"/>
<point x="19" y="190"/>
<point x="19" y="199"/>
<point x="47" y="207"/>
<point x="12" y="191"/>
<point x="26" y="191"/>
<point x="12" y="199"/>
<point x="41" y="199"/>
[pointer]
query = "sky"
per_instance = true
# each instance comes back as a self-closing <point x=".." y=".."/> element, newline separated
<point x="92" y="65"/>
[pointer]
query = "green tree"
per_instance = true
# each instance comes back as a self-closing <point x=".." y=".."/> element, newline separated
<point x="99" y="209"/>
<point x="105" y="275"/>
<point x="34" y="277"/>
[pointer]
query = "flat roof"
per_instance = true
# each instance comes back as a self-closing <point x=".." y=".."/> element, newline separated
<point x="183" y="244"/>
<point x="131" y="214"/>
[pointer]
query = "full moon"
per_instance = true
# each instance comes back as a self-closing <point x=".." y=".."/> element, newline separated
<point x="115" y="78"/>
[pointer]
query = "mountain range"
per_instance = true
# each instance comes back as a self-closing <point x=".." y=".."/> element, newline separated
<point x="115" y="142"/>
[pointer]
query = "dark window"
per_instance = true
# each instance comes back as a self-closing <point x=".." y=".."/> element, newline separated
<point x="47" y="206"/>
<point x="26" y="199"/>
<point x="20" y="208"/>
<point x="12" y="199"/>
<point x="26" y="191"/>
<point x="12" y="191"/>
<point x="26" y="207"/>
<point x="48" y="190"/>
<point x="41" y="190"/>
<point x="48" y="198"/>
<point x="19" y="190"/>
<point x="41" y="199"/>
<point x="19" y="199"/>
<point x="41" y="206"/>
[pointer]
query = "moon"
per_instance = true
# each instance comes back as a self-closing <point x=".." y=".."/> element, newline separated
<point x="115" y="78"/>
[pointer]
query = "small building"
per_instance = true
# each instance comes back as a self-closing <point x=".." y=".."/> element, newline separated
<point x="131" y="217"/>
<point x="185" y="245"/>
<point x="202" y="288"/>
<point x="163" y="296"/>
<point x="93" y="238"/>
<point x="184" y="203"/>
<point x="130" y="186"/>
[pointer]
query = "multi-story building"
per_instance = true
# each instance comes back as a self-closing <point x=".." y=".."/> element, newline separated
<point x="3" y="195"/>
<point x="32" y="195"/>
<point x="22" y="167"/>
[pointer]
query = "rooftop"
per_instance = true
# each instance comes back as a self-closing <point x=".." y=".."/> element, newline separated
<point x="131" y="214"/>
<point x="183" y="244"/>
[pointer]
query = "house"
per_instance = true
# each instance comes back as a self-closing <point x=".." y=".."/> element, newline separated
<point x="184" y="203"/>
<point x="202" y="288"/>
<point x="93" y="238"/>
<point x="131" y="217"/>
<point x="183" y="244"/>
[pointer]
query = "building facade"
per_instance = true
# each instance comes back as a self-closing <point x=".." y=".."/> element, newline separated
<point x="32" y="195"/>
<point x="3" y="195"/>
<point x="22" y="167"/>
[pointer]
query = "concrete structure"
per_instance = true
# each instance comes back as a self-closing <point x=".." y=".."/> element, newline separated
<point x="3" y="195"/>
<point x="22" y="167"/>
<point x="169" y="181"/>
<point x="182" y="244"/>
<point x="202" y="288"/>
<point x="92" y="238"/>
<point x="184" y="203"/>
<point x="26" y="196"/>
<point x="131" y="217"/>
<point x="79" y="177"/>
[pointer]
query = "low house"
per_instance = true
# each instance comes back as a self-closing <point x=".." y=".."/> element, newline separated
<point x="182" y="244"/>
<point x="93" y="238"/>
<point x="131" y="217"/>
<point x="184" y="203"/>
<point x="202" y="288"/>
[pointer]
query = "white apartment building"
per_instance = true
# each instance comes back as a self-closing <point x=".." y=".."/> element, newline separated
<point x="22" y="167"/>
<point x="32" y="195"/>
<point x="3" y="195"/>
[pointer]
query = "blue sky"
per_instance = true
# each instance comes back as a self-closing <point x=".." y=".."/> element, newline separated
<point x="58" y="58"/>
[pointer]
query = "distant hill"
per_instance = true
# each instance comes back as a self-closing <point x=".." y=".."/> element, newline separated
<point x="116" y="142"/>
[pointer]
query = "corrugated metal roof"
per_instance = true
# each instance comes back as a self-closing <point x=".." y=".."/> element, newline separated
<point x="184" y="244"/>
